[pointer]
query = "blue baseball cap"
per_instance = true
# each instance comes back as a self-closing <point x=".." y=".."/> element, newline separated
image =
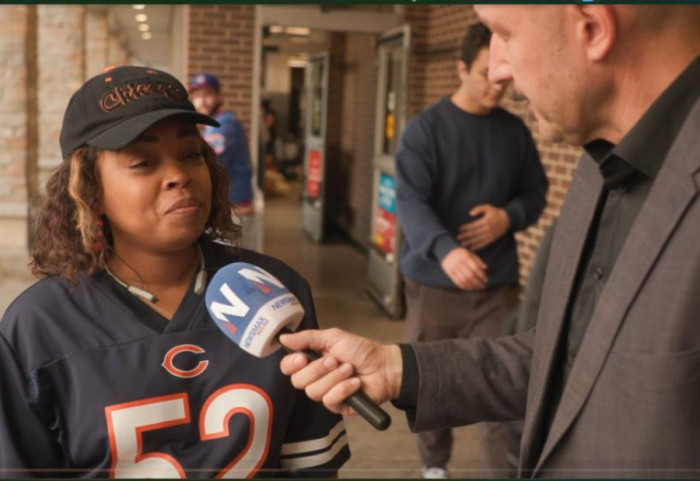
<point x="202" y="80"/>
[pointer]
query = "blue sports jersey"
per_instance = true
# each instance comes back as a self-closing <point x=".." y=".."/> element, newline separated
<point x="94" y="383"/>
<point x="229" y="143"/>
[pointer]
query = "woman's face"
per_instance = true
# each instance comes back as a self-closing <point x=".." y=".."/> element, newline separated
<point x="157" y="189"/>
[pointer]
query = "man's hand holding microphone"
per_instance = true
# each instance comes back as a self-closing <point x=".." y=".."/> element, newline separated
<point x="348" y="363"/>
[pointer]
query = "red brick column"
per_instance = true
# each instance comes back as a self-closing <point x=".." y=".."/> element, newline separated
<point x="221" y="42"/>
<point x="418" y="18"/>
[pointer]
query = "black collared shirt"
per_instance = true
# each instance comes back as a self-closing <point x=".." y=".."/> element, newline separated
<point x="628" y="169"/>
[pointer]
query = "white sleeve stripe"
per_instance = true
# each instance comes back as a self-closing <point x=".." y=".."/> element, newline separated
<point x="315" y="459"/>
<point x="313" y="444"/>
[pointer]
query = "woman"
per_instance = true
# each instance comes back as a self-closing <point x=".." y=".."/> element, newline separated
<point x="110" y="365"/>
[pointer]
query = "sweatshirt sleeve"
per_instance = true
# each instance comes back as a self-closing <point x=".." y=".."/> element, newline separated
<point x="530" y="197"/>
<point x="416" y="174"/>
<point x="465" y="381"/>
<point x="28" y="448"/>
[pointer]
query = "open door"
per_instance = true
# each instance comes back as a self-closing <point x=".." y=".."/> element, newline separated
<point x="384" y="281"/>
<point x="315" y="144"/>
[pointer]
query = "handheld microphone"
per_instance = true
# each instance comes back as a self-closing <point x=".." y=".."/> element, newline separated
<point x="252" y="308"/>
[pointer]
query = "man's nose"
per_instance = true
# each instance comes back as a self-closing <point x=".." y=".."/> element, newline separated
<point x="500" y="71"/>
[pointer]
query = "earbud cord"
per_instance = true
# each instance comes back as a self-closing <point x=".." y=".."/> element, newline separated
<point x="199" y="282"/>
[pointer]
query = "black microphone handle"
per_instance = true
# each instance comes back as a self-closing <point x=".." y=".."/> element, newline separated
<point x="359" y="401"/>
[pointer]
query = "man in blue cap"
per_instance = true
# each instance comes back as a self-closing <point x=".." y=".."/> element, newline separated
<point x="230" y="144"/>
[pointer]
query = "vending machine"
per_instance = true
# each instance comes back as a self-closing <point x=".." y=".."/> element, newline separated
<point x="384" y="281"/>
<point x="313" y="201"/>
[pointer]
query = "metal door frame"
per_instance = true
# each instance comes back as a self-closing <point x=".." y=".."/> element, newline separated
<point x="313" y="210"/>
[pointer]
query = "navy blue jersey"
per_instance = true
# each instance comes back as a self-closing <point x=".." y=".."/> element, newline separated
<point x="94" y="383"/>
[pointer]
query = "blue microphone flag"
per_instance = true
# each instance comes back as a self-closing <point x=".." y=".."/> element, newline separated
<point x="251" y="306"/>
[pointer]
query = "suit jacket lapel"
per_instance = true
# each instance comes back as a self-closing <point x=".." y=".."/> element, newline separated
<point x="567" y="247"/>
<point x="669" y="197"/>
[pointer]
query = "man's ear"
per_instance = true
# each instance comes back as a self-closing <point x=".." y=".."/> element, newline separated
<point x="462" y="69"/>
<point x="596" y="29"/>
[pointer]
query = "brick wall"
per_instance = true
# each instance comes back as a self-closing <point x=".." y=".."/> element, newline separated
<point x="357" y="142"/>
<point x="418" y="17"/>
<point x="221" y="42"/>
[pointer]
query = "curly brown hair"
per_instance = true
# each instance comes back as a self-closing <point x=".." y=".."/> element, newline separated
<point x="71" y="239"/>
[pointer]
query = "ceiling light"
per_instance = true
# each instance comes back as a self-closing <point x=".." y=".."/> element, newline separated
<point x="138" y="7"/>
<point x="146" y="35"/>
<point x="144" y="27"/>
<point x="276" y="29"/>
<point x="141" y="17"/>
<point x="297" y="30"/>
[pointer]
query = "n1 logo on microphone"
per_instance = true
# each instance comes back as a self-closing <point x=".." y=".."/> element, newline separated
<point x="250" y="306"/>
<point x="234" y="305"/>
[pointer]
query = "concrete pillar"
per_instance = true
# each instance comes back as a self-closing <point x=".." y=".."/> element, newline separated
<point x="14" y="125"/>
<point x="61" y="72"/>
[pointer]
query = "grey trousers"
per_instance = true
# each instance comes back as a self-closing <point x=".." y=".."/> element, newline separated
<point x="433" y="314"/>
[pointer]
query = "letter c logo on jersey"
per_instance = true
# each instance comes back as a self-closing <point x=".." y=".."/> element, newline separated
<point x="169" y="361"/>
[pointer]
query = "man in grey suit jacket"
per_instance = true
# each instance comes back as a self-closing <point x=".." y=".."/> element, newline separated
<point x="609" y="382"/>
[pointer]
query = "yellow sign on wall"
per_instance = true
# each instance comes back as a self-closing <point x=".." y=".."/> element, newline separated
<point x="389" y="130"/>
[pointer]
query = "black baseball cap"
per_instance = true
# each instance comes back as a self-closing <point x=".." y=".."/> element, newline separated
<point x="113" y="108"/>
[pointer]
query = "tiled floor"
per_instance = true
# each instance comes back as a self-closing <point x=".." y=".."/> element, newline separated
<point x="336" y="272"/>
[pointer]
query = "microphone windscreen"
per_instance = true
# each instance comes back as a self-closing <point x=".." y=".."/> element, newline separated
<point x="251" y="306"/>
